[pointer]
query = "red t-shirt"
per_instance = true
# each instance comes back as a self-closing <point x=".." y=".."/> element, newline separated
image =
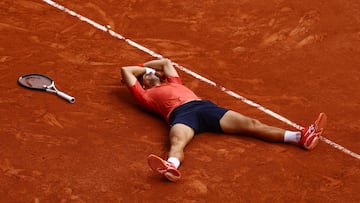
<point x="163" y="99"/>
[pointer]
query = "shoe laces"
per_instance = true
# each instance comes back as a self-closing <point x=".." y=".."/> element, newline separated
<point x="168" y="166"/>
<point x="311" y="129"/>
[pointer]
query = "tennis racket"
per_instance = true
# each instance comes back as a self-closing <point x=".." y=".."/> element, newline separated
<point x="43" y="83"/>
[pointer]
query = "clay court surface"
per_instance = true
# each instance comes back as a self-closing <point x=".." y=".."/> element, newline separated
<point x="296" y="58"/>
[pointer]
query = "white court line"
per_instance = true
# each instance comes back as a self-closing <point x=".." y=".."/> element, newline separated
<point x="227" y="91"/>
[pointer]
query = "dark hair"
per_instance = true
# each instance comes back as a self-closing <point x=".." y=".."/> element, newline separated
<point x="140" y="79"/>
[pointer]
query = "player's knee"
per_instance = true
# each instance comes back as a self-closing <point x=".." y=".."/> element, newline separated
<point x="179" y="139"/>
<point x="255" y="124"/>
<point x="175" y="138"/>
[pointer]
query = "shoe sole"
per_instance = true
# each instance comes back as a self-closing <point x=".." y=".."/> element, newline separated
<point x="320" y="125"/>
<point x="170" y="176"/>
<point x="158" y="165"/>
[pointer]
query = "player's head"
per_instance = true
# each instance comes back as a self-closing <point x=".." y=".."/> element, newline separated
<point x="149" y="80"/>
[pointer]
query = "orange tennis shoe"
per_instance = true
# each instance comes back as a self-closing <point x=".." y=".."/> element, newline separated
<point x="310" y="136"/>
<point x="163" y="167"/>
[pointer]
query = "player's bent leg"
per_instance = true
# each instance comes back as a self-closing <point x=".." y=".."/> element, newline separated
<point x="180" y="136"/>
<point x="236" y="123"/>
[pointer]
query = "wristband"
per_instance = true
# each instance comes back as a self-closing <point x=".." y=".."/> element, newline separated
<point x="149" y="70"/>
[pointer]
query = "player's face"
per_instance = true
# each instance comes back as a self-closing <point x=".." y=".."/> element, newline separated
<point x="150" y="80"/>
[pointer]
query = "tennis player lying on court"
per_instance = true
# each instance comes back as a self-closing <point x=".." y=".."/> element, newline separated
<point x="157" y="87"/>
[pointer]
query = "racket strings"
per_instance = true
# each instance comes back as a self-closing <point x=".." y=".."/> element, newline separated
<point x="37" y="82"/>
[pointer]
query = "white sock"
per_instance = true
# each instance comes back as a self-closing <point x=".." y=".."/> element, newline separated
<point x="174" y="161"/>
<point x="291" y="136"/>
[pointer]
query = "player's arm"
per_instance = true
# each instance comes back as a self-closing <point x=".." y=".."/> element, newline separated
<point x="130" y="73"/>
<point x="162" y="65"/>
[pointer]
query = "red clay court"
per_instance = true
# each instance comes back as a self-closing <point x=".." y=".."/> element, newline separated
<point x="296" y="58"/>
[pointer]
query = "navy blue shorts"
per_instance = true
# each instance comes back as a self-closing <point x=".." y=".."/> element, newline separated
<point x="200" y="115"/>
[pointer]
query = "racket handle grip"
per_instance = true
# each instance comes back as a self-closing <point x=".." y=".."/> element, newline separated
<point x="66" y="97"/>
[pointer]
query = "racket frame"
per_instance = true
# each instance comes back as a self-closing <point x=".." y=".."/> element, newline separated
<point x="50" y="88"/>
